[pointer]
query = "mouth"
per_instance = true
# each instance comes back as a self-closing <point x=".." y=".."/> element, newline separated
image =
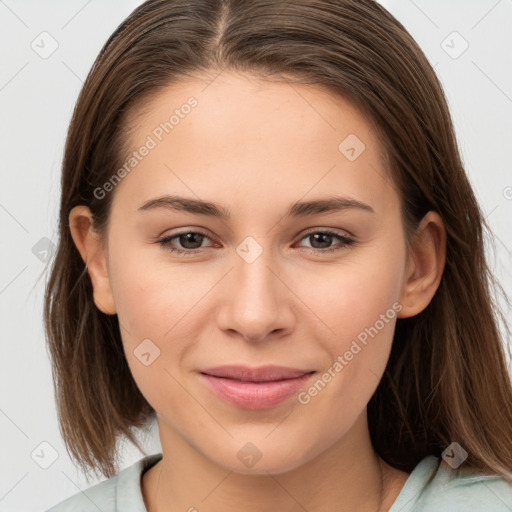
<point x="260" y="374"/>
<point x="255" y="388"/>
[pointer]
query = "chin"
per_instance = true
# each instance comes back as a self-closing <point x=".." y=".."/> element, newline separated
<point x="253" y="460"/>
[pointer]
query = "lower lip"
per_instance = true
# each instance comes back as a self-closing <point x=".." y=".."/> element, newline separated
<point x="255" y="395"/>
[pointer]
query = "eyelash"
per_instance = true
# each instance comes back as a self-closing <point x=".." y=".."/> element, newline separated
<point x="165" y="242"/>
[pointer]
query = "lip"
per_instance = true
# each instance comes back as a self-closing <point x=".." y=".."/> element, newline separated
<point x="255" y="388"/>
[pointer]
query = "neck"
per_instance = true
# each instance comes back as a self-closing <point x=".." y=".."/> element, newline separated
<point x="347" y="476"/>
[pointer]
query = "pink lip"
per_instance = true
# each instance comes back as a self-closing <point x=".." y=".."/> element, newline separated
<point x="255" y="388"/>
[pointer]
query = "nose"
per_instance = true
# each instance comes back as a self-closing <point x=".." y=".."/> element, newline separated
<point x="257" y="301"/>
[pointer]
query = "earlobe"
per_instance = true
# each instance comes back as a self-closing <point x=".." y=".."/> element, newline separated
<point x="89" y="245"/>
<point x="425" y="265"/>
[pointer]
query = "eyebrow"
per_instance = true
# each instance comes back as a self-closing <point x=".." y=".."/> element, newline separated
<point x="297" y="209"/>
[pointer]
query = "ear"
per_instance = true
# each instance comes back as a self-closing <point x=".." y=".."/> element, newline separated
<point x="425" y="265"/>
<point x="90" y="247"/>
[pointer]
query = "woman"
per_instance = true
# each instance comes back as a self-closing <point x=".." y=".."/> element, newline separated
<point x="328" y="341"/>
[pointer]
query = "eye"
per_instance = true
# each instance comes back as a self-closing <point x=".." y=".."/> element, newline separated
<point x="321" y="240"/>
<point x="192" y="241"/>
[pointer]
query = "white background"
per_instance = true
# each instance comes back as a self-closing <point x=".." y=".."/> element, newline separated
<point x="36" y="100"/>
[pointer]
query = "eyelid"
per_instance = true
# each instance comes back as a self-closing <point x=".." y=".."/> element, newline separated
<point x="166" y="238"/>
<point x="346" y="241"/>
<point x="335" y="231"/>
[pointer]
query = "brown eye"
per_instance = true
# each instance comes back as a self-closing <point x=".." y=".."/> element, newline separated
<point x="321" y="241"/>
<point x="189" y="242"/>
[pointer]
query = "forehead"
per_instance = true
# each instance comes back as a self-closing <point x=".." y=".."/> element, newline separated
<point x="233" y="133"/>
<point x="250" y="106"/>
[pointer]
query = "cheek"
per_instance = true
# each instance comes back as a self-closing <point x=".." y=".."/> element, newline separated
<point x="152" y="305"/>
<point x="361" y="316"/>
<point x="353" y="295"/>
<point x="161" y="303"/>
<point x="152" y="299"/>
<point x="358" y="302"/>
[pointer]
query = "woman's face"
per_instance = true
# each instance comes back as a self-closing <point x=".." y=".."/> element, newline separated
<point x="264" y="286"/>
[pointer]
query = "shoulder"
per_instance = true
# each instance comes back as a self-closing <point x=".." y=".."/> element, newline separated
<point x="433" y="485"/>
<point x="121" y="492"/>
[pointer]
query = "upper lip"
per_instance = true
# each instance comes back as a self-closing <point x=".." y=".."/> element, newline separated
<point x="260" y="374"/>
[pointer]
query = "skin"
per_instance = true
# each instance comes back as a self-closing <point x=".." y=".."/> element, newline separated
<point x="256" y="147"/>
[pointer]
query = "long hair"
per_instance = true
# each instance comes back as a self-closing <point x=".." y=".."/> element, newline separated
<point x="446" y="379"/>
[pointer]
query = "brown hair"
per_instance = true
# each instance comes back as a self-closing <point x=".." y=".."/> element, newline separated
<point x="446" y="379"/>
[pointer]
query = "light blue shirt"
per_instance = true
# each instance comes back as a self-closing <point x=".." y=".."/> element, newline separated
<point x="431" y="487"/>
